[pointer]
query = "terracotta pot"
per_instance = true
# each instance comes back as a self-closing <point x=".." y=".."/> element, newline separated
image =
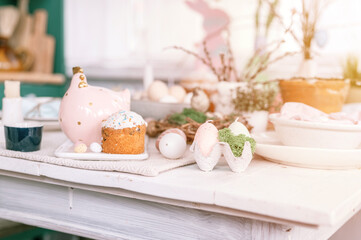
<point x="327" y="95"/>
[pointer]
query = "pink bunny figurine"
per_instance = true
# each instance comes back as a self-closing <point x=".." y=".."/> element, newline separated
<point x="215" y="21"/>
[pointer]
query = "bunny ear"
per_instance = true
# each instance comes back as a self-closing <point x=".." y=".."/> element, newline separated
<point x="198" y="5"/>
<point x="238" y="164"/>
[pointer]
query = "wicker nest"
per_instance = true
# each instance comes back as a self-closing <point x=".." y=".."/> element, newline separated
<point x="157" y="127"/>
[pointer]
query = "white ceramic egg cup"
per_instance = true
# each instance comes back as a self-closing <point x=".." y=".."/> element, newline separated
<point x="236" y="164"/>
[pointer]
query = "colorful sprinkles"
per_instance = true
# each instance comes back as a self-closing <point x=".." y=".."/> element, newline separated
<point x="123" y="119"/>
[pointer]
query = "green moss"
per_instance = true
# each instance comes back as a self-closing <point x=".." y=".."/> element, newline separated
<point x="235" y="142"/>
<point x="181" y="118"/>
<point x="177" y="118"/>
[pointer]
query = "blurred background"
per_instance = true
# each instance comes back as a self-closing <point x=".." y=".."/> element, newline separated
<point x="122" y="43"/>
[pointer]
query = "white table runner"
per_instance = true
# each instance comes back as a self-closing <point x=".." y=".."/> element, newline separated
<point x="153" y="166"/>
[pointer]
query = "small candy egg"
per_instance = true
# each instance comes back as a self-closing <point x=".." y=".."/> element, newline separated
<point x="157" y="90"/>
<point x="80" y="147"/>
<point x="95" y="147"/>
<point x="238" y="128"/>
<point x="178" y="92"/>
<point x="168" y="99"/>
<point x="206" y="137"/>
<point x="172" y="146"/>
<point x="171" y="130"/>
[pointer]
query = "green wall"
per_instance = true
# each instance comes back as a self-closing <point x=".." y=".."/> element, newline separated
<point x="56" y="28"/>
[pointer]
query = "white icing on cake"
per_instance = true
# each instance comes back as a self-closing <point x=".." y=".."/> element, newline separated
<point x="123" y="119"/>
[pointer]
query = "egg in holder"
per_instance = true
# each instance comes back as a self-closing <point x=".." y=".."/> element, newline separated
<point x="234" y="143"/>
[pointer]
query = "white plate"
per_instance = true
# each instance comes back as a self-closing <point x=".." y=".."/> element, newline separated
<point x="66" y="151"/>
<point x="269" y="147"/>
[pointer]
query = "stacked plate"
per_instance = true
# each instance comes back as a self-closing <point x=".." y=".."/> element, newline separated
<point x="310" y="144"/>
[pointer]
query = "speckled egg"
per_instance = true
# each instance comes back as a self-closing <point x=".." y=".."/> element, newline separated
<point x="171" y="130"/>
<point x="172" y="146"/>
<point x="80" y="147"/>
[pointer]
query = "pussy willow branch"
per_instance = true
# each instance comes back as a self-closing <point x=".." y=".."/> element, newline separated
<point x="231" y="62"/>
<point x="203" y="60"/>
<point x="287" y="29"/>
<point x="209" y="60"/>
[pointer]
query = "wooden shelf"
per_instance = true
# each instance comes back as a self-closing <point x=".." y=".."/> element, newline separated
<point x="33" y="77"/>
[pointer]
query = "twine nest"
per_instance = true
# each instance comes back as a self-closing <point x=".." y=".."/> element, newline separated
<point x="157" y="127"/>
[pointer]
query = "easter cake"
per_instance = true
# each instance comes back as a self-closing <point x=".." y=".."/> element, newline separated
<point x="123" y="133"/>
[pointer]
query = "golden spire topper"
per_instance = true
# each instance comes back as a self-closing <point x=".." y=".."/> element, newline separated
<point x="77" y="69"/>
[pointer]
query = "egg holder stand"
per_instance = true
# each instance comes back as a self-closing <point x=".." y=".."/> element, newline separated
<point x="236" y="164"/>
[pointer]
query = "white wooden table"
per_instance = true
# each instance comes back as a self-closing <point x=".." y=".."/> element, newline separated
<point x="268" y="201"/>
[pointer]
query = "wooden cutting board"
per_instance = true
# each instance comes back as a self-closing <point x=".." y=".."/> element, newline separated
<point x="42" y="45"/>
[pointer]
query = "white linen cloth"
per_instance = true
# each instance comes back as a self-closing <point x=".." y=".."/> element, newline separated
<point x="152" y="166"/>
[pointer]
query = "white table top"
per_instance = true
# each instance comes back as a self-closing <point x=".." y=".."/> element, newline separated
<point x="314" y="197"/>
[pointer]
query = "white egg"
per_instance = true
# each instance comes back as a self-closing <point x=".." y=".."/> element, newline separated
<point x="157" y="90"/>
<point x="238" y="128"/>
<point x="168" y="99"/>
<point x="188" y="98"/>
<point x="178" y="92"/>
<point x="172" y="146"/>
<point x="171" y="130"/>
<point x="95" y="147"/>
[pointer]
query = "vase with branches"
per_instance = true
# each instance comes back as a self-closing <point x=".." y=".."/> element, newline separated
<point x="308" y="18"/>
<point x="325" y="94"/>
<point x="245" y="82"/>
